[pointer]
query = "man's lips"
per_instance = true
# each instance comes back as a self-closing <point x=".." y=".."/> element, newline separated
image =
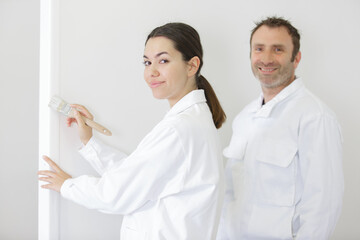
<point x="155" y="84"/>
<point x="267" y="70"/>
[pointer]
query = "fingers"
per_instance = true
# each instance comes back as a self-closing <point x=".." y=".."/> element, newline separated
<point x="85" y="132"/>
<point x="52" y="164"/>
<point x="50" y="182"/>
<point x="51" y="186"/>
<point x="70" y="121"/>
<point x="56" y="178"/>
<point x="48" y="186"/>
<point x="50" y="178"/>
<point x="45" y="179"/>
<point x="79" y="119"/>
<point x="48" y="174"/>
<point x="83" y="110"/>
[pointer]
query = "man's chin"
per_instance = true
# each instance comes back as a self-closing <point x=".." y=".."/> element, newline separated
<point x="268" y="82"/>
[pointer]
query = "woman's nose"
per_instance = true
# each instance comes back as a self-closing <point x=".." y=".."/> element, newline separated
<point x="153" y="71"/>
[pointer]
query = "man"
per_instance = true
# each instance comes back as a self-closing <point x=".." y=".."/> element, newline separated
<point x="284" y="168"/>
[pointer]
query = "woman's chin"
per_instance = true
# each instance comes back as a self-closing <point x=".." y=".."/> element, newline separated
<point x="158" y="95"/>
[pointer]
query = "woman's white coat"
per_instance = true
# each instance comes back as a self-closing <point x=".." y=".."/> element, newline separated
<point x="170" y="187"/>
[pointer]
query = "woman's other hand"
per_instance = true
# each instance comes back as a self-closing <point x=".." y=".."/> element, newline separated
<point x="54" y="178"/>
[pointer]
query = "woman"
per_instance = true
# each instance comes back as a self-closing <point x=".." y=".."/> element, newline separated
<point x="171" y="186"/>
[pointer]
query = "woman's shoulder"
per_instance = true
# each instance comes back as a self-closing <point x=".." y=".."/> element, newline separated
<point x="195" y="120"/>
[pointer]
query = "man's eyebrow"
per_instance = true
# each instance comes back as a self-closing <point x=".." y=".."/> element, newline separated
<point x="258" y="45"/>
<point x="279" y="45"/>
<point x="274" y="45"/>
<point x="158" y="55"/>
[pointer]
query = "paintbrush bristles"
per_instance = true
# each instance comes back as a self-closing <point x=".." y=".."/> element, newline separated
<point x="63" y="107"/>
<point x="60" y="105"/>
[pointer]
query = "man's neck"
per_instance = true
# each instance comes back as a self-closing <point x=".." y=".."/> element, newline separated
<point x="270" y="93"/>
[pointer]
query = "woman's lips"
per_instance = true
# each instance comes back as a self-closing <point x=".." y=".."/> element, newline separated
<point x="155" y="84"/>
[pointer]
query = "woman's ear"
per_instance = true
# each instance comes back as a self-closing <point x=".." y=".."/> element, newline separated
<point x="194" y="64"/>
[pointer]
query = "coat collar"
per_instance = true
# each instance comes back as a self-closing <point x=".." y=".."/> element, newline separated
<point x="265" y="110"/>
<point x="193" y="97"/>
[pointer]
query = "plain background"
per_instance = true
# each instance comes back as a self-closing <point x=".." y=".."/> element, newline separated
<point x="101" y="46"/>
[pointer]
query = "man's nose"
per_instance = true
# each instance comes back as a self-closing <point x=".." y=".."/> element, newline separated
<point x="267" y="58"/>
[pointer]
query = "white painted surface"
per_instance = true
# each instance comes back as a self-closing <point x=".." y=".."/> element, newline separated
<point x="48" y="203"/>
<point x="100" y="54"/>
<point x="100" y="66"/>
<point x="19" y="89"/>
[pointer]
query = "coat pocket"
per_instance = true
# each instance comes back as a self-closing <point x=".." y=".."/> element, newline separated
<point x="275" y="176"/>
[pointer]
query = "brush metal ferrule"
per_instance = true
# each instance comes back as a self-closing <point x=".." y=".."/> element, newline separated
<point x="64" y="108"/>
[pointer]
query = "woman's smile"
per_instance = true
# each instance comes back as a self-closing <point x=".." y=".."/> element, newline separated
<point x="155" y="84"/>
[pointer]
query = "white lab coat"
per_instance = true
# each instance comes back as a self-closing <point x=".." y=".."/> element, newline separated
<point x="284" y="172"/>
<point x="170" y="187"/>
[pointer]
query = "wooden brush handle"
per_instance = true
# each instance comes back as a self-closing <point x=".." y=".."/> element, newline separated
<point x="97" y="126"/>
<point x="91" y="124"/>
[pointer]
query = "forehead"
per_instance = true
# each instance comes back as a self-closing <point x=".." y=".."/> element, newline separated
<point x="159" y="44"/>
<point x="271" y="36"/>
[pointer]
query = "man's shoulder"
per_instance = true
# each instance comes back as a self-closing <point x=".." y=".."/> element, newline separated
<point x="309" y="103"/>
<point x="246" y="112"/>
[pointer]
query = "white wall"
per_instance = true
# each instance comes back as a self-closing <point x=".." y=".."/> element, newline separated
<point x="19" y="56"/>
<point x="101" y="46"/>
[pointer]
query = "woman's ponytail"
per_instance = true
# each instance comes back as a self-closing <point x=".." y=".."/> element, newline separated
<point x="218" y="113"/>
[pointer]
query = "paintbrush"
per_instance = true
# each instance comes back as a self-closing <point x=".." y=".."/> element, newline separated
<point x="59" y="105"/>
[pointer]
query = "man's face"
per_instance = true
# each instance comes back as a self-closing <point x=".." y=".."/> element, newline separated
<point x="271" y="52"/>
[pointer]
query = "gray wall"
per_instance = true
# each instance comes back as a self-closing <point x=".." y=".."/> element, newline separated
<point x="19" y="64"/>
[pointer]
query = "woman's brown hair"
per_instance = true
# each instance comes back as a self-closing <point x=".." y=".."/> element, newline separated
<point x="187" y="41"/>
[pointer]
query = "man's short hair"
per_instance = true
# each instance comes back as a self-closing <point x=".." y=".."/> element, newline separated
<point x="276" y="22"/>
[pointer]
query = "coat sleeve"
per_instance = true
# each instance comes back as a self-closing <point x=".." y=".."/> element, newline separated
<point x="101" y="156"/>
<point x="320" y="161"/>
<point x="141" y="177"/>
<point x="234" y="180"/>
<point x="229" y="196"/>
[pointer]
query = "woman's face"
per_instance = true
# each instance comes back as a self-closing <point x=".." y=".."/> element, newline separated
<point x="166" y="73"/>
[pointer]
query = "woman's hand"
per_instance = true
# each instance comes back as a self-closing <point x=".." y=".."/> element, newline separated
<point x="55" y="178"/>
<point x="85" y="132"/>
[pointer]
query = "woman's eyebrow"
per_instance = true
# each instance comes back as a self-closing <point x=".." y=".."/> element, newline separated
<point x="158" y="55"/>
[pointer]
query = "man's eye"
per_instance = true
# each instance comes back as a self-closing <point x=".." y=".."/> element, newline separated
<point x="258" y="49"/>
<point x="147" y="63"/>
<point x="278" y="50"/>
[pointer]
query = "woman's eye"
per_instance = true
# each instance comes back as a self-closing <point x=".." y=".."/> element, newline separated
<point x="147" y="63"/>
<point x="164" y="61"/>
